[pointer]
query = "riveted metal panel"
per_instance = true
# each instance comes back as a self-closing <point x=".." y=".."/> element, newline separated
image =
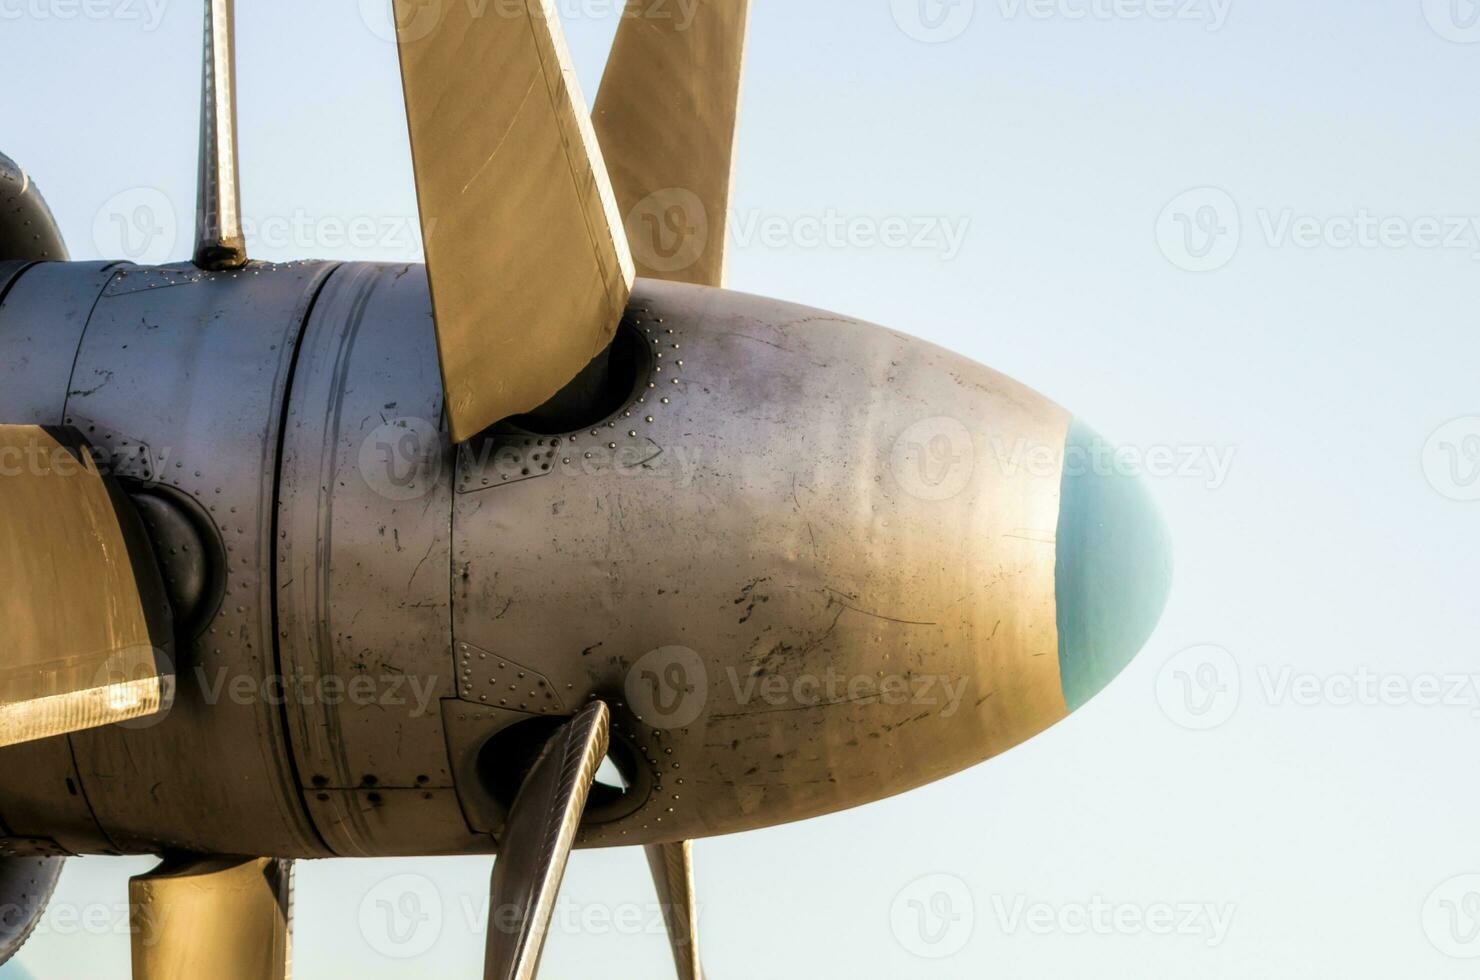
<point x="43" y="314"/>
<point x="365" y="511"/>
<point x="194" y="368"/>
<point x="786" y="618"/>
<point x="27" y="228"/>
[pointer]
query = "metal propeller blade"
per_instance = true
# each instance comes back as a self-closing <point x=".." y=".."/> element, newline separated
<point x="85" y="612"/>
<point x="666" y="117"/>
<point x="673" y="874"/>
<point x="224" y="918"/>
<point x="536" y="844"/>
<point x="529" y="269"/>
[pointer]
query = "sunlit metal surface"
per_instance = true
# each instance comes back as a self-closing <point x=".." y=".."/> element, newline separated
<point x="529" y="268"/>
<point x="82" y="604"/>
<point x="536" y="844"/>
<point x="224" y="918"/>
<point x="666" y="116"/>
<point x="673" y="877"/>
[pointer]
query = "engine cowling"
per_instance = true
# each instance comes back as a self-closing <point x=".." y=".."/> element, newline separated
<point x="26" y="885"/>
<point x="807" y="561"/>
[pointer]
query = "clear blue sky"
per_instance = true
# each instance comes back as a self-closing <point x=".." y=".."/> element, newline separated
<point x="1330" y="148"/>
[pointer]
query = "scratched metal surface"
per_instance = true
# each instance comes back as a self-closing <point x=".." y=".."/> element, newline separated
<point x="182" y="375"/>
<point x="743" y="521"/>
<point x="42" y="319"/>
<point x="364" y="555"/>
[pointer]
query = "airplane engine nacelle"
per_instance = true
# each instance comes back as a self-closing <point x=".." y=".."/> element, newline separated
<point x="808" y="563"/>
<point x="26" y="884"/>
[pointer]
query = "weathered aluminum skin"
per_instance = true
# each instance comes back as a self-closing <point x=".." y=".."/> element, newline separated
<point x="365" y="552"/>
<point x="42" y="317"/>
<point x="784" y="621"/>
<point x="10" y="270"/>
<point x="180" y="376"/>
<point x="194" y="367"/>
<point x="739" y="535"/>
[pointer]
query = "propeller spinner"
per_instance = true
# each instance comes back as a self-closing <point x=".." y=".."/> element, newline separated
<point x="805" y="534"/>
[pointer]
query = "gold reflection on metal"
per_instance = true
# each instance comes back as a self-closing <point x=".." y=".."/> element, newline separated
<point x="666" y="117"/>
<point x="78" y="650"/>
<point x="223" y="918"/>
<point x="529" y="270"/>
<point x="673" y="877"/>
<point x="536" y="841"/>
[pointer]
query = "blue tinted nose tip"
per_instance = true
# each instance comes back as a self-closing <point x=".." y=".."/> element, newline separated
<point x="1114" y="565"/>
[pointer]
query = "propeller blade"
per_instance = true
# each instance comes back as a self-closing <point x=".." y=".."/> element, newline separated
<point x="536" y="844"/>
<point x="529" y="271"/>
<point x="218" y="917"/>
<point x="85" y="613"/>
<point x="673" y="874"/>
<point x="219" y="240"/>
<point x="666" y="116"/>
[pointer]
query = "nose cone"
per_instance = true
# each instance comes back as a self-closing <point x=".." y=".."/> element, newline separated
<point x="1114" y="565"/>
